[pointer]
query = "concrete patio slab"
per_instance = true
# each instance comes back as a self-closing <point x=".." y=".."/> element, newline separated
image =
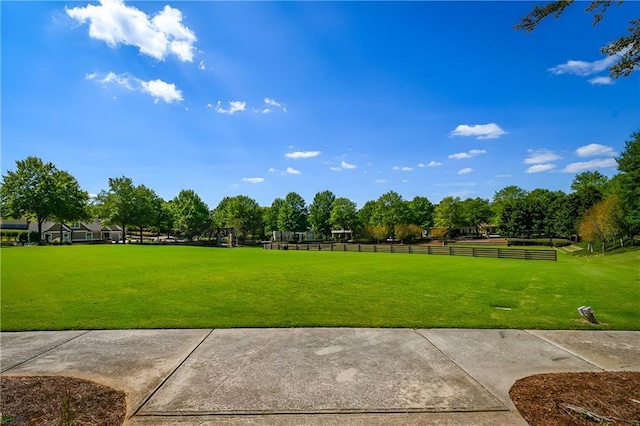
<point x="494" y="418"/>
<point x="609" y="350"/>
<point x="135" y="361"/>
<point x="18" y="347"/>
<point x="497" y="358"/>
<point x="289" y="371"/>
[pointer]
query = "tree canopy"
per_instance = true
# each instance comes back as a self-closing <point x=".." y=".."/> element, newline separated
<point x="629" y="181"/>
<point x="190" y="213"/>
<point x="320" y="213"/>
<point x="117" y="205"/>
<point x="292" y="215"/>
<point x="627" y="47"/>
<point x="39" y="191"/>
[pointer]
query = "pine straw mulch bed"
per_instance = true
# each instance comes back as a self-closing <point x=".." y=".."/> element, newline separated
<point x="56" y="400"/>
<point x="545" y="399"/>
<point x="611" y="398"/>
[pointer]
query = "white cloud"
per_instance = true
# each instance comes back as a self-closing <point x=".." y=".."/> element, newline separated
<point x="293" y="171"/>
<point x="541" y="168"/>
<point x="381" y="180"/>
<point x="603" y="81"/>
<point x="595" y="149"/>
<point x="209" y="105"/>
<point x="602" y="163"/>
<point x="115" y="23"/>
<point x="583" y="68"/>
<point x="469" y="154"/>
<point x="262" y="111"/>
<point x="503" y="176"/>
<point x="302" y="154"/>
<point x="272" y="170"/>
<point x="465" y="171"/>
<point x="335" y="169"/>
<point x="405" y="181"/>
<point x="402" y="169"/>
<point x="234" y="106"/>
<point x="346" y="165"/>
<point x="482" y="131"/>
<point x="162" y="90"/>
<point x="537" y="156"/>
<point x="201" y="66"/>
<point x="253" y="180"/>
<point x="235" y="185"/>
<point x="272" y="102"/>
<point x="158" y="89"/>
<point x="420" y="164"/>
<point x="434" y="164"/>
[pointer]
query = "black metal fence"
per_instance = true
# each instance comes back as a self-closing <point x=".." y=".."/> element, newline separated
<point x="451" y="250"/>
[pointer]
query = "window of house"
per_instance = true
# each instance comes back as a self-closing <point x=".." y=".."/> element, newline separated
<point x="75" y="225"/>
<point x="89" y="236"/>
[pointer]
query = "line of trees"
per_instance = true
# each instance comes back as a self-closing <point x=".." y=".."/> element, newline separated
<point x="597" y="208"/>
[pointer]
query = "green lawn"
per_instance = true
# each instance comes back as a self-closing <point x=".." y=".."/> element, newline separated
<point x="115" y="286"/>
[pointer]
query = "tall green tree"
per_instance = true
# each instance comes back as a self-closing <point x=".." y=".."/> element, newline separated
<point x="117" y="205"/>
<point x="475" y="212"/>
<point x="72" y="202"/>
<point x="627" y="47"/>
<point x="344" y="215"/>
<point x="448" y="213"/>
<point x="366" y="213"/>
<point x="503" y="197"/>
<point x="191" y="214"/>
<point x="390" y="210"/>
<point x="270" y="216"/>
<point x="164" y="219"/>
<point x="629" y="182"/>
<point x="589" y="180"/>
<point x="241" y="213"/>
<point x="293" y="214"/>
<point x="147" y="208"/>
<point x="420" y="211"/>
<point x="320" y="213"/>
<point x="31" y="191"/>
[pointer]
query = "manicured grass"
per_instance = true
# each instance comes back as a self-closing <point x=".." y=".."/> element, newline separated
<point x="115" y="286"/>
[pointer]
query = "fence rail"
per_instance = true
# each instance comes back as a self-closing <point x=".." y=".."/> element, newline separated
<point x="499" y="253"/>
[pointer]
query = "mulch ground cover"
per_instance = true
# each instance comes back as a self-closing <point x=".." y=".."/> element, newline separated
<point x="611" y="398"/>
<point x="55" y="400"/>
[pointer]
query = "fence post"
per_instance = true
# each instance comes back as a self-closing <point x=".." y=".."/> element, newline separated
<point x="473" y="252"/>
<point x="391" y="248"/>
<point x="344" y="247"/>
<point x="428" y="249"/>
<point x="374" y="248"/>
<point x="449" y="250"/>
<point x="359" y="248"/>
<point x="410" y="249"/>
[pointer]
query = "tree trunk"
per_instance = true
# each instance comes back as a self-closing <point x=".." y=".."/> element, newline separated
<point x="39" y="230"/>
<point x="124" y="234"/>
<point x="140" y="234"/>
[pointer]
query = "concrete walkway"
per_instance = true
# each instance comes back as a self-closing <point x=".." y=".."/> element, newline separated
<point x="329" y="376"/>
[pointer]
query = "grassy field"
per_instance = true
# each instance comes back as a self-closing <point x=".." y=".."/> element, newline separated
<point x="115" y="286"/>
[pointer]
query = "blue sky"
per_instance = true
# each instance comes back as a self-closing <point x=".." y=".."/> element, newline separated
<point x="264" y="98"/>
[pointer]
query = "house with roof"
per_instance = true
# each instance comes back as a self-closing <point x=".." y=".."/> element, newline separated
<point x="78" y="232"/>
